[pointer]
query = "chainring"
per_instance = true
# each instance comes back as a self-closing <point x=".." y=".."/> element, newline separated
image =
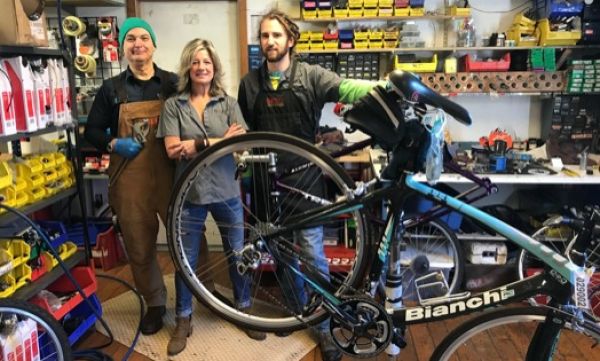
<point x="370" y="335"/>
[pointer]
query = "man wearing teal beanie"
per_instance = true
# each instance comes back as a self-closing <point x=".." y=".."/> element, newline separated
<point x="140" y="172"/>
<point x="132" y="23"/>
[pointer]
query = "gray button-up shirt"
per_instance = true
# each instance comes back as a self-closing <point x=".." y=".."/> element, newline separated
<point x="180" y="119"/>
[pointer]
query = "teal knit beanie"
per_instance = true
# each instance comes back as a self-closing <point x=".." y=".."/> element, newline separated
<point x="132" y="23"/>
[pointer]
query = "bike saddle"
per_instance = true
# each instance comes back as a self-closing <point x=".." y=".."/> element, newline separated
<point x="411" y="88"/>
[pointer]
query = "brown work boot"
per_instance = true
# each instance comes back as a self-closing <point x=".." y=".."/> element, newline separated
<point x="178" y="340"/>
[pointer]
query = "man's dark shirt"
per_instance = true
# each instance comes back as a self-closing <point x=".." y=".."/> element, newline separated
<point x="105" y="109"/>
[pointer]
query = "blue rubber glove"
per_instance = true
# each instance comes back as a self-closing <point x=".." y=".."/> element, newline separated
<point x="127" y="147"/>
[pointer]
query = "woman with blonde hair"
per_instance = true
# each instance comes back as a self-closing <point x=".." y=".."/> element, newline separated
<point x="199" y="113"/>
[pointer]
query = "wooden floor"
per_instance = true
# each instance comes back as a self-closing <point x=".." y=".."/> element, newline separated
<point x="421" y="339"/>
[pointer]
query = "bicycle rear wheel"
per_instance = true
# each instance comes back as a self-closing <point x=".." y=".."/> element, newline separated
<point x="42" y="336"/>
<point x="559" y="239"/>
<point x="281" y="179"/>
<point x="427" y="248"/>
<point x="505" y="334"/>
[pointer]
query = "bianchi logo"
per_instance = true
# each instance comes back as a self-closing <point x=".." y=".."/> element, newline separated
<point x="473" y="303"/>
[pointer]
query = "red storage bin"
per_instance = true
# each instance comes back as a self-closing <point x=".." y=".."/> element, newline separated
<point x="87" y="280"/>
<point x="468" y="64"/>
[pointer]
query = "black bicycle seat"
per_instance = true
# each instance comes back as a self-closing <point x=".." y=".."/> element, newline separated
<point x="411" y="88"/>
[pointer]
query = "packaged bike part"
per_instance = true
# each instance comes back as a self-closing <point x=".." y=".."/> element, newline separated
<point x="435" y="122"/>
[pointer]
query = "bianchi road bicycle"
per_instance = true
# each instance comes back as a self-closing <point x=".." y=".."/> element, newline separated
<point x="262" y="265"/>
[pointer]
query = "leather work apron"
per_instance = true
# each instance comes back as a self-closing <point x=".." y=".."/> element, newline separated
<point x="140" y="192"/>
<point x="282" y="111"/>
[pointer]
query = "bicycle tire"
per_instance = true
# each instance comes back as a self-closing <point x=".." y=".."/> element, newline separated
<point x="501" y="334"/>
<point x="444" y="254"/>
<point x="222" y="303"/>
<point x="560" y="239"/>
<point x="57" y="346"/>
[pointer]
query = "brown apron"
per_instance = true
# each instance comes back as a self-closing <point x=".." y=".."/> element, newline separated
<point x="140" y="191"/>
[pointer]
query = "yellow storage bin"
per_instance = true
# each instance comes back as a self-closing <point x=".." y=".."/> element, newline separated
<point x="48" y="160"/>
<point x="59" y="158"/>
<point x="520" y="37"/>
<point x="361" y="44"/>
<point x="309" y="14"/>
<point x="370" y="3"/>
<point x="22" y="275"/>
<point x="456" y="11"/>
<point x="9" y="285"/>
<point x="401" y="11"/>
<point x="29" y="166"/>
<point x="20" y="251"/>
<point x="367" y="12"/>
<point x="375" y="44"/>
<point x="523" y="20"/>
<point x="416" y="11"/>
<point x="355" y="13"/>
<point x="390" y="44"/>
<point x="315" y="35"/>
<point x="386" y="11"/>
<point x="65" y="251"/>
<point x="35" y="180"/>
<point x="50" y="175"/>
<point x="19" y="198"/>
<point x="386" y="4"/>
<point x="422" y="67"/>
<point x="5" y="175"/>
<point x="355" y="3"/>
<point x="324" y="13"/>
<point x="68" y="182"/>
<point x="62" y="170"/>
<point x="302" y="45"/>
<point x="304" y="36"/>
<point x="361" y="35"/>
<point x="391" y="35"/>
<point x="330" y="44"/>
<point x="6" y="260"/>
<point x="548" y="37"/>
<point x="376" y="35"/>
<point x="35" y="194"/>
<point x="340" y="13"/>
<point x="316" y="45"/>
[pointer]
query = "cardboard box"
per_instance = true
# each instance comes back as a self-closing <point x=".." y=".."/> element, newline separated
<point x="17" y="29"/>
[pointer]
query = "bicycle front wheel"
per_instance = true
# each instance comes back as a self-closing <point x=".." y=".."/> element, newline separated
<point x="505" y="334"/>
<point x="560" y="239"/>
<point x="238" y="194"/>
<point x="43" y="338"/>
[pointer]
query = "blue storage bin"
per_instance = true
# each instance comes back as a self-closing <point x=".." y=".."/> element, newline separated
<point x="75" y="231"/>
<point x="85" y="313"/>
<point x="421" y="205"/>
<point x="346" y="34"/>
<point x="417" y="3"/>
<point x="57" y="229"/>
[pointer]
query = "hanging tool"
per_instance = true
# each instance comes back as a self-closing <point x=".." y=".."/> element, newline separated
<point x="139" y="132"/>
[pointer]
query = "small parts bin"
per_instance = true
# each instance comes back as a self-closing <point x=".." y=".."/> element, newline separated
<point x="471" y="65"/>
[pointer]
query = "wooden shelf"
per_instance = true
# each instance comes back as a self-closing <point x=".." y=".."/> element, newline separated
<point x="444" y="49"/>
<point x="383" y="18"/>
<point x="87" y="3"/>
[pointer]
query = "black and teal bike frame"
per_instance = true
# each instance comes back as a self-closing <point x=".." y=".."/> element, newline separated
<point x="560" y="278"/>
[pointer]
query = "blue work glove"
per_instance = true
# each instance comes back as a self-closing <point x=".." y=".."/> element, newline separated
<point x="127" y="147"/>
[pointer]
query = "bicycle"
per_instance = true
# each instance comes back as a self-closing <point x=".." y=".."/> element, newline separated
<point x="560" y="232"/>
<point x="34" y="330"/>
<point x="304" y="188"/>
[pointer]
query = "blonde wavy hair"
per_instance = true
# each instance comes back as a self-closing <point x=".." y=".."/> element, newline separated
<point x="185" y="64"/>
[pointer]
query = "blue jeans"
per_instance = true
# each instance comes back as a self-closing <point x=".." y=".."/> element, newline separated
<point x="230" y="218"/>
<point x="310" y="241"/>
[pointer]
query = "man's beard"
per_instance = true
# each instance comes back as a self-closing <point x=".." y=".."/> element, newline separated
<point x="277" y="57"/>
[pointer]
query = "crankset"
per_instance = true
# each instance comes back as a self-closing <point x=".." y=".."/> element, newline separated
<point x="371" y="332"/>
